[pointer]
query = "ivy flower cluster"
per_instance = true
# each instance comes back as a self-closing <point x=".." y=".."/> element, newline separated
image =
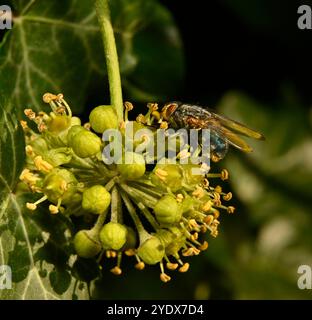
<point x="160" y="216"/>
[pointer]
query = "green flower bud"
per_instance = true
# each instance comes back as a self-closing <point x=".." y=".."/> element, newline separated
<point x="60" y="183"/>
<point x="132" y="166"/>
<point x="85" y="144"/>
<point x="75" y="121"/>
<point x="168" y="211"/>
<point x="151" y="251"/>
<point x="167" y="175"/>
<point x="113" y="236"/>
<point x="86" y="244"/>
<point x="96" y="199"/>
<point x="59" y="123"/>
<point x="131" y="240"/>
<point x="58" y="156"/>
<point x="72" y="132"/>
<point x="102" y="118"/>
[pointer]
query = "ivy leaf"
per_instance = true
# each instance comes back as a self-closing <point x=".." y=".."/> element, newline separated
<point x="36" y="246"/>
<point x="57" y="47"/>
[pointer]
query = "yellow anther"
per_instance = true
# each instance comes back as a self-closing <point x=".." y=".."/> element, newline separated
<point x="191" y="252"/>
<point x="24" y="125"/>
<point x="224" y="174"/>
<point x="140" y="118"/>
<point x="42" y="165"/>
<point x="230" y="209"/>
<point x="216" y="214"/>
<point x="214" y="233"/>
<point x="164" y="125"/>
<point x="29" y="151"/>
<point x="164" y="277"/>
<point x="204" y="246"/>
<point x="205" y="183"/>
<point x="217" y="202"/>
<point x="184" y="268"/>
<point x="140" y="265"/>
<point x="128" y="106"/>
<point x="207" y="206"/>
<point x="161" y="174"/>
<point x="172" y="266"/>
<point x="130" y="252"/>
<point x="42" y="127"/>
<point x="193" y="224"/>
<point x="112" y="254"/>
<point x="116" y="271"/>
<point x="49" y="97"/>
<point x="209" y="219"/>
<point x="53" y="209"/>
<point x="194" y="236"/>
<point x="60" y="96"/>
<point x="218" y="189"/>
<point x="24" y="174"/>
<point x="31" y="206"/>
<point x="227" y="197"/>
<point x="179" y="197"/>
<point x="64" y="186"/>
<point x="30" y="114"/>
<point x="87" y="125"/>
<point x="199" y="192"/>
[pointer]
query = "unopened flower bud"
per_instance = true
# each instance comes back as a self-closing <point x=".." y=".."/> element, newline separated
<point x="113" y="236"/>
<point x="103" y="118"/>
<point x="85" y="144"/>
<point x="132" y="166"/>
<point x="96" y="199"/>
<point x="168" y="211"/>
<point x="72" y="132"/>
<point x="151" y="251"/>
<point x="60" y="183"/>
<point x="86" y="244"/>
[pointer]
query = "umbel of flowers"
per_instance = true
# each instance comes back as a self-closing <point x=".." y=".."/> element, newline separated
<point x="159" y="217"/>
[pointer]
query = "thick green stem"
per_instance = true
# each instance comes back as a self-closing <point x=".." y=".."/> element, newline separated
<point x="110" y="50"/>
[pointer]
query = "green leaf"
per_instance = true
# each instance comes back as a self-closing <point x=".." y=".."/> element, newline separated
<point x="57" y="47"/>
<point x="51" y="48"/>
<point x="37" y="246"/>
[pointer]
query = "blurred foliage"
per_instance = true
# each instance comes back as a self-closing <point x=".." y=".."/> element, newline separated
<point x="261" y="246"/>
